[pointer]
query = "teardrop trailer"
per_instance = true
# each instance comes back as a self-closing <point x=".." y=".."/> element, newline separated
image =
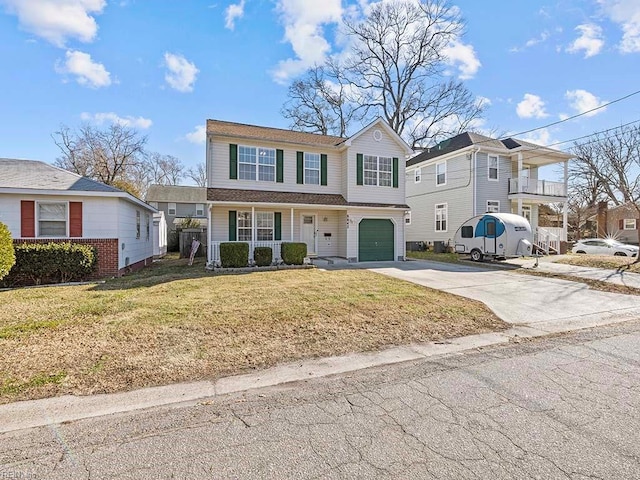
<point x="496" y="235"/>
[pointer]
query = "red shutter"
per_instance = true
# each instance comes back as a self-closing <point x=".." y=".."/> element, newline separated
<point x="27" y="218"/>
<point x="621" y="224"/>
<point x="75" y="219"/>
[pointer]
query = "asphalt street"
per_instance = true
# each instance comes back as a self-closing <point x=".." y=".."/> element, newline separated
<point x="564" y="406"/>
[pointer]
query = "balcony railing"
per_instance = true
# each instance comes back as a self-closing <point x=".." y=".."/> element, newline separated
<point x="275" y="247"/>
<point x="537" y="187"/>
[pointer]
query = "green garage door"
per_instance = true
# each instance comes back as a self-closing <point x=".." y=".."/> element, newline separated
<point x="375" y="240"/>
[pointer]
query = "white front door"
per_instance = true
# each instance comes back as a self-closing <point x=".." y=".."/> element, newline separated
<point x="308" y="233"/>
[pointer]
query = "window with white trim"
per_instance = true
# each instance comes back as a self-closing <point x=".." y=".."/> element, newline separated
<point x="148" y="225"/>
<point x="407" y="218"/>
<point x="441" y="217"/>
<point x="264" y="226"/>
<point x="418" y="175"/>
<point x="629" y="224"/>
<point x="526" y="212"/>
<point x="171" y="209"/>
<point x="256" y="163"/>
<point x="493" y="206"/>
<point x="312" y="168"/>
<point x="137" y="223"/>
<point x="200" y="209"/>
<point x="378" y="170"/>
<point x="244" y="226"/>
<point x="441" y="173"/>
<point x="492" y="166"/>
<point x="52" y="219"/>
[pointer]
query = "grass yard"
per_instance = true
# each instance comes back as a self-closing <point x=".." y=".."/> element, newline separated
<point x="436" y="257"/>
<point x="600" y="261"/>
<point x="173" y="323"/>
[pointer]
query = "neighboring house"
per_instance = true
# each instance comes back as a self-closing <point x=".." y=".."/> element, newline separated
<point x="619" y="222"/>
<point x="41" y="203"/>
<point x="343" y="197"/>
<point x="178" y="203"/>
<point x="159" y="235"/>
<point x="471" y="174"/>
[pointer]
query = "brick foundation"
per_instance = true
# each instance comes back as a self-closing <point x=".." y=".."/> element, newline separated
<point x="134" y="267"/>
<point x="107" y="249"/>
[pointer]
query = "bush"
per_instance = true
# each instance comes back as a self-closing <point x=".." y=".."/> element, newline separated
<point x="7" y="254"/>
<point x="263" y="256"/>
<point x="173" y="241"/>
<point x="234" y="254"/>
<point x="38" y="263"/>
<point x="293" y="253"/>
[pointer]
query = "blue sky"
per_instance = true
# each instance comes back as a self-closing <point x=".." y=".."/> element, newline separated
<point x="165" y="66"/>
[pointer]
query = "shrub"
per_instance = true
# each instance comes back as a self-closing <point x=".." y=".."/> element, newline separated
<point x="293" y="253"/>
<point x="7" y="254"/>
<point x="263" y="256"/>
<point x="38" y="263"/>
<point x="234" y="254"/>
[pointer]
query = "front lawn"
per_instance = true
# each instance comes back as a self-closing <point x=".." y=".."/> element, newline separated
<point x="436" y="257"/>
<point x="600" y="261"/>
<point x="174" y="323"/>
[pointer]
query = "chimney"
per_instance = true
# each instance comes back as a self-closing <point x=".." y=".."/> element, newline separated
<point x="601" y="219"/>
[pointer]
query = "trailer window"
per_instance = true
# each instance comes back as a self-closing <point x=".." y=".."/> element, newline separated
<point x="491" y="229"/>
<point x="467" y="232"/>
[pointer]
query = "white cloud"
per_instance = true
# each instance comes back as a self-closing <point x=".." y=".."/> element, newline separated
<point x="590" y="40"/>
<point x="532" y="106"/>
<point x="626" y="13"/>
<point x="110" y="117"/>
<point x="233" y="12"/>
<point x="303" y="22"/>
<point x="88" y="73"/>
<point x="483" y="101"/>
<point x="198" y="136"/>
<point x="544" y="36"/>
<point x="181" y="73"/>
<point x="58" y="20"/>
<point x="539" y="137"/>
<point x="582" y="101"/>
<point x="464" y="57"/>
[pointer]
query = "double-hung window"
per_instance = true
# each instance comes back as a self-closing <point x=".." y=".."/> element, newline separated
<point x="493" y="206"/>
<point x="378" y="170"/>
<point x="137" y="223"/>
<point x="244" y="226"/>
<point x="493" y="167"/>
<point x="629" y="224"/>
<point x="199" y="209"/>
<point x="441" y="173"/>
<point x="418" y="175"/>
<point x="264" y="226"/>
<point x="171" y="209"/>
<point x="441" y="217"/>
<point x="312" y="168"/>
<point x="257" y="163"/>
<point x="52" y="219"/>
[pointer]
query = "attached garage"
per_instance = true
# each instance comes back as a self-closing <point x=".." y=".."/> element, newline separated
<point x="376" y="240"/>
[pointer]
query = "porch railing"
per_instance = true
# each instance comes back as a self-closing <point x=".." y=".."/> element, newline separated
<point x="548" y="239"/>
<point x="537" y="187"/>
<point x="275" y="247"/>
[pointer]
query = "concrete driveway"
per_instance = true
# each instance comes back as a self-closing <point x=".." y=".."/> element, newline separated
<point x="545" y="304"/>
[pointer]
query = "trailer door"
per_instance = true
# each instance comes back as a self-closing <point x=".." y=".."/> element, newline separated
<point x="490" y="237"/>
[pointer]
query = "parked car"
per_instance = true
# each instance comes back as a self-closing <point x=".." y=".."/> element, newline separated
<point x="601" y="246"/>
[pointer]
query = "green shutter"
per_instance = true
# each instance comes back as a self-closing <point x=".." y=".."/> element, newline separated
<point x="360" y="165"/>
<point x="300" y="167"/>
<point x="279" y="166"/>
<point x="323" y="169"/>
<point x="277" y="226"/>
<point x="233" y="162"/>
<point x="395" y="172"/>
<point x="233" y="221"/>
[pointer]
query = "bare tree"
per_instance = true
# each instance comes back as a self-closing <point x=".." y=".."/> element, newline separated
<point x="198" y="174"/>
<point x="164" y="169"/>
<point x="612" y="161"/>
<point x="395" y="68"/>
<point x="108" y="155"/>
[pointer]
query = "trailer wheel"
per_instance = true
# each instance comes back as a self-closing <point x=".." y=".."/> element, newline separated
<point x="476" y="255"/>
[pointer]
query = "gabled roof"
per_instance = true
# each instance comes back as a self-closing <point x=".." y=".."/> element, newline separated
<point x="241" y="130"/>
<point x="176" y="194"/>
<point x="38" y="177"/>
<point x="379" y="122"/>
<point x="468" y="139"/>
<point x="33" y="174"/>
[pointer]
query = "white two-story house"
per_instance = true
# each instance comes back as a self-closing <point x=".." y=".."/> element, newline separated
<point x="343" y="197"/>
<point x="471" y="174"/>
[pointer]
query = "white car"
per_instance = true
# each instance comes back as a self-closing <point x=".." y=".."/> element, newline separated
<point x="601" y="246"/>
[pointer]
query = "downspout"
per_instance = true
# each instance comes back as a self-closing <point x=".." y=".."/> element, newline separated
<point x="209" y="249"/>
<point x="475" y="181"/>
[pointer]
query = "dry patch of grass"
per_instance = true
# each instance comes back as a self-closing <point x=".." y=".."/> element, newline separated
<point x="175" y="323"/>
<point x="436" y="257"/>
<point x="600" y="261"/>
<point x="599" y="285"/>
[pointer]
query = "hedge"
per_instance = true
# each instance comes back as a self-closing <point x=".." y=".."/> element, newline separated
<point x="234" y="254"/>
<point x="39" y="263"/>
<point x="263" y="256"/>
<point x="7" y="253"/>
<point x="293" y="253"/>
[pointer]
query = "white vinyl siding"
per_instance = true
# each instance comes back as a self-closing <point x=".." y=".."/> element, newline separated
<point x="441" y="217"/>
<point x="441" y="173"/>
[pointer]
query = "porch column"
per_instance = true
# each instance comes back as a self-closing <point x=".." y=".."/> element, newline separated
<point x="565" y="205"/>
<point x="209" y="249"/>
<point x="291" y="233"/>
<point x="519" y="183"/>
<point x="253" y="232"/>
